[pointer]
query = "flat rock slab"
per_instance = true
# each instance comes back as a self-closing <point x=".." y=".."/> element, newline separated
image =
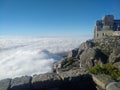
<point x="21" y="83"/>
<point x="5" y="84"/>
<point x="48" y="80"/>
<point x="71" y="75"/>
<point x="113" y="86"/>
<point x="101" y="80"/>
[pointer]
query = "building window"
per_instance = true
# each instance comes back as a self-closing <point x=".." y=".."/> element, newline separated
<point x="104" y="34"/>
<point x="97" y="34"/>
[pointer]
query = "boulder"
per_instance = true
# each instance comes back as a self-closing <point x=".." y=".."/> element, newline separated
<point x="5" y="84"/>
<point x="101" y="80"/>
<point x="87" y="57"/>
<point x="66" y="64"/>
<point x="80" y="51"/>
<point x="73" y="53"/>
<point x="92" y="56"/>
<point x="57" y="66"/>
<point x="21" y="83"/>
<point x="115" y="56"/>
<point x="46" y="81"/>
<point x="117" y="65"/>
<point x="87" y="44"/>
<point x="113" y="86"/>
<point x="71" y="75"/>
<point x="116" y="51"/>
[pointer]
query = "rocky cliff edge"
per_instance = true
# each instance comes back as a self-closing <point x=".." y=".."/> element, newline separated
<point x="71" y="72"/>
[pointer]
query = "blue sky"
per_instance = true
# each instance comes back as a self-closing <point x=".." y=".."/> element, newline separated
<point x="53" y="17"/>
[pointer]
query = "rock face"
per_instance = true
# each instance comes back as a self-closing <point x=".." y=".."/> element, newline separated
<point x="22" y="83"/>
<point x="87" y="57"/>
<point x="87" y="44"/>
<point x="92" y="56"/>
<point x="115" y="56"/>
<point x="70" y="80"/>
<point x="71" y="75"/>
<point x="106" y="50"/>
<point x="117" y="65"/>
<point x="73" y="53"/>
<point x="46" y="81"/>
<point x="113" y="86"/>
<point x="90" y="53"/>
<point x="57" y="66"/>
<point x="5" y="84"/>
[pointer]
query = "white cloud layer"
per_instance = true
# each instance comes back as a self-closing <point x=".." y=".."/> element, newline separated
<point x="29" y="56"/>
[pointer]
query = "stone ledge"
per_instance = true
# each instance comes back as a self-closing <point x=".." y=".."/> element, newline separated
<point x="100" y="80"/>
<point x="49" y="80"/>
<point x="70" y="80"/>
<point x="105" y="82"/>
<point x="113" y="85"/>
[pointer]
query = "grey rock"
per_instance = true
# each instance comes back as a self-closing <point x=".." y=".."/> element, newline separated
<point x="73" y="53"/>
<point x="59" y="65"/>
<point x="5" y="84"/>
<point x="101" y="80"/>
<point x="115" y="56"/>
<point x="80" y="51"/>
<point x="87" y="57"/>
<point x="116" y="51"/>
<point x="109" y="44"/>
<point x="113" y="86"/>
<point x="108" y="82"/>
<point x="66" y="64"/>
<point x="117" y="65"/>
<point x="92" y="56"/>
<point x="71" y="75"/>
<point x="21" y="83"/>
<point x="45" y="81"/>
<point x="87" y="44"/>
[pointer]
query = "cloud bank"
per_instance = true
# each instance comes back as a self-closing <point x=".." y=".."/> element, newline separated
<point x="29" y="56"/>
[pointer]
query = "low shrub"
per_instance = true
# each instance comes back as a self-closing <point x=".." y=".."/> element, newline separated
<point x="70" y="61"/>
<point x="107" y="69"/>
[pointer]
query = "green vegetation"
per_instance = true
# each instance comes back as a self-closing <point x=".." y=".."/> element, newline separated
<point x="107" y="69"/>
<point x="70" y="61"/>
<point x="97" y="44"/>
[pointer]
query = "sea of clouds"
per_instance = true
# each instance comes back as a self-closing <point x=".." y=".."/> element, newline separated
<point x="21" y="56"/>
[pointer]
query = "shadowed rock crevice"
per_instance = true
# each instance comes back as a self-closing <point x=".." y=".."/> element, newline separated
<point x="83" y="82"/>
<point x="101" y="56"/>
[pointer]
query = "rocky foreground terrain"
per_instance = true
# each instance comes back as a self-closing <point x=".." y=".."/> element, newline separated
<point x="89" y="67"/>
